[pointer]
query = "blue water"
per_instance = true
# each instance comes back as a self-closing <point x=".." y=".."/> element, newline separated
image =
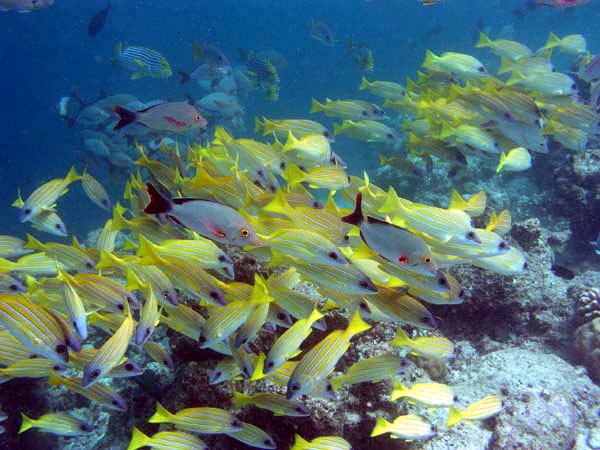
<point x="47" y="54"/>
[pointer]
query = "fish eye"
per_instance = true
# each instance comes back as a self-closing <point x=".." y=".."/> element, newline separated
<point x="390" y="136"/>
<point x="57" y="368"/>
<point x="257" y="183"/>
<point x="461" y="293"/>
<point x="121" y="307"/>
<point x="424" y="320"/>
<point x="114" y="402"/>
<point x="326" y="134"/>
<point x="89" y="265"/>
<point x="269" y="442"/>
<point x="427" y="259"/>
<point x="333" y="255"/>
<point x="95" y="374"/>
<point x="197" y="117"/>
<point x="221" y="258"/>
<point x="364" y="306"/>
<point x="481" y="69"/>
<point x="573" y="86"/>
<point x="525" y="266"/>
<point x="214" y="295"/>
<point x="218" y="374"/>
<point x="27" y="211"/>
<point x="442" y="281"/>
<point x="403" y="260"/>
<point x="346" y="238"/>
<point x="282" y="165"/>
<point x="85" y="427"/>
<point x="403" y="363"/>
<point x="295" y="387"/>
<point x="434" y="428"/>
<point x="128" y="367"/>
<point x="365" y="113"/>
<point x="455" y="398"/>
<point x="244" y="232"/>
<point x="147" y="332"/>
<point x="270" y="364"/>
<point x="315" y="205"/>
<point x="363" y="284"/>
<point x="329" y="387"/>
<point x="57" y="226"/>
<point x="236" y="423"/>
<point x="61" y="348"/>
<point x="13" y="287"/>
<point x="202" y="339"/>
<point x="502" y="245"/>
<point x="471" y="235"/>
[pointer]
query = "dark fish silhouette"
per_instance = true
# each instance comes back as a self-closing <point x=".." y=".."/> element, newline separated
<point x="98" y="21"/>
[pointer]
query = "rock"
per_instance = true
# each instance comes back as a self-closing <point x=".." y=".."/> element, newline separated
<point x="587" y="303"/>
<point x="528" y="234"/>
<point x="587" y="346"/>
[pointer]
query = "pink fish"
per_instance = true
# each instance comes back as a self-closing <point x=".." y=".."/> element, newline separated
<point x="175" y="117"/>
<point x="562" y="3"/>
<point x="24" y="6"/>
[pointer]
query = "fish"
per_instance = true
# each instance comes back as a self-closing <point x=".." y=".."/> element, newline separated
<point x="427" y="347"/>
<point x="547" y="83"/>
<point x="11" y="284"/>
<point x="410" y="427"/>
<point x="98" y="392"/>
<point x="304" y="245"/>
<point x="390" y="241"/>
<point x="149" y="318"/>
<point x="321" y="360"/>
<point x="430" y="394"/>
<point x="36" y="264"/>
<point x="253" y="436"/>
<point x="372" y="370"/>
<point x="277" y="404"/>
<point x="210" y="219"/>
<point x="458" y="64"/>
<point x="12" y="247"/>
<point x="172" y="440"/>
<point x="470" y="135"/>
<point x="366" y="130"/>
<point x="98" y="20"/>
<point x="511" y="50"/>
<point x="74" y="305"/>
<point x="347" y="109"/>
<point x="58" y="424"/>
<point x="95" y="191"/>
<point x="142" y="61"/>
<point x="318" y="443"/>
<point x="111" y="352"/>
<point x="322" y="33"/>
<point x="174" y="117"/>
<point x="159" y="354"/>
<point x="24" y="6"/>
<point x="34" y="327"/>
<point x="385" y="89"/>
<point x="512" y="262"/>
<point x="289" y="342"/>
<point x="204" y="420"/>
<point x="474" y="206"/>
<point x="480" y="410"/>
<point x="209" y="54"/>
<point x="225" y="370"/>
<point x="573" y="44"/>
<point x="69" y="256"/>
<point x="44" y="197"/>
<point x="517" y="160"/>
<point x="47" y="221"/>
<point x="299" y="128"/>
<point x="325" y="177"/>
<point x="30" y="368"/>
<point x="311" y="147"/>
<point x="347" y="278"/>
<point x="363" y="55"/>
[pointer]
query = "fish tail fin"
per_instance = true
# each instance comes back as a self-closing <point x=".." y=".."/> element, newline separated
<point x="502" y="161"/>
<point x="357" y="325"/>
<point x="506" y="65"/>
<point x="454" y="417"/>
<point x="7" y="266"/>
<point x="185" y="77"/>
<point x="401" y="340"/>
<point x="54" y="379"/>
<point x="430" y="58"/>
<point x="158" y="204"/>
<point x="337" y="382"/>
<point x="258" y="124"/>
<point x="553" y="41"/>
<point x="138" y="439"/>
<point x="33" y="244"/>
<point x="391" y="203"/>
<point x="18" y="203"/>
<point x="116" y="52"/>
<point x="147" y="251"/>
<point x="398" y="391"/>
<point x="447" y="131"/>
<point x="476" y="204"/>
<point x="314" y="316"/>
<point x="26" y="423"/>
<point x="515" y="78"/>
<point x="161" y="415"/>
<point x="293" y="175"/>
<point x="118" y="221"/>
<point x="364" y="84"/>
<point x="240" y="399"/>
<point x="315" y="106"/>
<point x="290" y="142"/>
<point x="299" y="443"/>
<point x="457" y="201"/>
<point x="338" y="128"/>
<point x="72" y="176"/>
<point x="484" y="40"/>
<point x="268" y="126"/>
<point x="107" y="260"/>
<point x="222" y="137"/>
<point x="356" y="217"/>
<point x="381" y="427"/>
<point x="278" y="205"/>
<point x="126" y="117"/>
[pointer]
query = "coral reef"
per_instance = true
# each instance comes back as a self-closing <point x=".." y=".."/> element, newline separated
<point x="587" y="346"/>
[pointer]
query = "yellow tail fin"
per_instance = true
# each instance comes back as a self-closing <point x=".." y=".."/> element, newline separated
<point x="454" y="417"/>
<point x="553" y="41"/>
<point x="240" y="399"/>
<point x="138" y="439"/>
<point x="402" y="339"/>
<point x="357" y="325"/>
<point x="299" y="443"/>
<point x="430" y="58"/>
<point x="26" y="423"/>
<point x="33" y="244"/>
<point x="161" y="415"/>
<point x="484" y="41"/>
<point x="364" y="84"/>
<point x="502" y="161"/>
<point x="381" y="427"/>
<point x="315" y="106"/>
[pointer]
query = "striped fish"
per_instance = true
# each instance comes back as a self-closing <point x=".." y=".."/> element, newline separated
<point x="34" y="327"/>
<point x="204" y="420"/>
<point x="110" y="354"/>
<point x="253" y="436"/>
<point x="311" y="149"/>
<point x="99" y="393"/>
<point x="324" y="177"/>
<point x="142" y="61"/>
<point x="104" y="292"/>
<point x="482" y="409"/>
<point x="95" y="191"/>
<point x="372" y="370"/>
<point x="305" y="245"/>
<point x="159" y="354"/>
<point x="430" y="394"/>
<point x="491" y="245"/>
<point x="203" y="251"/>
<point x="299" y="128"/>
<point x="12" y="247"/>
<point x="512" y="262"/>
<point x="37" y="264"/>
<point x="347" y="279"/>
<point x="454" y="296"/>
<point x="321" y="443"/>
<point x="149" y="318"/>
<point x="277" y="404"/>
<point x="69" y="256"/>
<point x="296" y="304"/>
<point x="11" y="350"/>
<point x="252" y="326"/>
<point x="262" y="68"/>
<point x="225" y="370"/>
<point x="500" y="223"/>
<point x="10" y="284"/>
<point x="288" y="344"/>
<point x="408" y="427"/>
<point x="145" y="225"/>
<point x="321" y="360"/>
<point x="166" y="440"/>
<point x="45" y="196"/>
<point x="59" y="424"/>
<point x="73" y="304"/>
<point x="426" y="347"/>
<point x="49" y="222"/>
<point x="395" y="306"/>
<point x="107" y="237"/>
<point x="504" y="48"/>
<point x="183" y="319"/>
<point x="126" y="369"/>
<point x="30" y="368"/>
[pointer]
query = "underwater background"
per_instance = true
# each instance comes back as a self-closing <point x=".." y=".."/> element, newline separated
<point x="531" y="338"/>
